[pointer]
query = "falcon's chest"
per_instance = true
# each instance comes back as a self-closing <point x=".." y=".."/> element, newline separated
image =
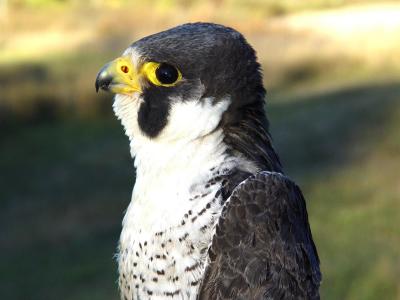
<point x="167" y="229"/>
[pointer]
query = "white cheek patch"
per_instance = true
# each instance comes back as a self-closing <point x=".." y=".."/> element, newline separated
<point x="189" y="120"/>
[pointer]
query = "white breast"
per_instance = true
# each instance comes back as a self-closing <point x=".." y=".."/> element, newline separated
<point x="175" y="202"/>
<point x="169" y="224"/>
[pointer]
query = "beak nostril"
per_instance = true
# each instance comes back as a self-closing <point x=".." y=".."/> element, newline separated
<point x="125" y="69"/>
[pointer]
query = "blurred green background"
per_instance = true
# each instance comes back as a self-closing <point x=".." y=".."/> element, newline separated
<point x="332" y="71"/>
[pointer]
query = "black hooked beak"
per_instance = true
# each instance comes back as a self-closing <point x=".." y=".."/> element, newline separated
<point x="103" y="80"/>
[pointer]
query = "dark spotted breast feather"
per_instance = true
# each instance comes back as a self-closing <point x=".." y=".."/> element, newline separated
<point x="263" y="248"/>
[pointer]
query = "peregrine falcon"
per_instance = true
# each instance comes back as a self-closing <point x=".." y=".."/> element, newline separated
<point x="212" y="215"/>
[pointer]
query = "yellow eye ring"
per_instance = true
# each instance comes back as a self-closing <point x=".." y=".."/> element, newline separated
<point x="161" y="74"/>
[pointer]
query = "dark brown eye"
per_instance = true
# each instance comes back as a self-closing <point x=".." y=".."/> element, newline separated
<point x="167" y="74"/>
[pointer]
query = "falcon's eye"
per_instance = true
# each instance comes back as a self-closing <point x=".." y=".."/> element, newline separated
<point x="161" y="74"/>
<point x="167" y="74"/>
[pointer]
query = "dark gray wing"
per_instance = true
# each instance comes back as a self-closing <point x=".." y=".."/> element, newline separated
<point x="263" y="248"/>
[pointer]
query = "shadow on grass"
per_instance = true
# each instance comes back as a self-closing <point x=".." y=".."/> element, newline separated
<point x="323" y="132"/>
<point x="66" y="184"/>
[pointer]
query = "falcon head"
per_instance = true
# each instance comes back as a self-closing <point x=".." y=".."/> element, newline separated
<point x="186" y="82"/>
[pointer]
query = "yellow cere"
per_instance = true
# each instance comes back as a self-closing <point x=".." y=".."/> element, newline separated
<point x="125" y="79"/>
<point x="124" y="65"/>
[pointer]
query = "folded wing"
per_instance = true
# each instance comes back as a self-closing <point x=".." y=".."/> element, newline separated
<point x="263" y="248"/>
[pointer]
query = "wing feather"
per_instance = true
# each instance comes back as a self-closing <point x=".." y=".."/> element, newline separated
<point x="263" y="247"/>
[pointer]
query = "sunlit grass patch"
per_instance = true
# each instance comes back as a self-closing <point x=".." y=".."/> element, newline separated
<point x="50" y="76"/>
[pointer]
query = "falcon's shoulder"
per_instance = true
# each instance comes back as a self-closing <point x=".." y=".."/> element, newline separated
<point x="262" y="247"/>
